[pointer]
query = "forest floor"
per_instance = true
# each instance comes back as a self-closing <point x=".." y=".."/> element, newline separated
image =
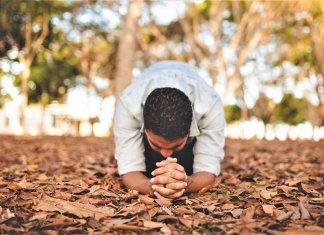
<point x="61" y="185"/>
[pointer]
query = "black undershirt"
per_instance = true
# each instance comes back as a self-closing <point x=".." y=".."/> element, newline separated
<point x="185" y="157"/>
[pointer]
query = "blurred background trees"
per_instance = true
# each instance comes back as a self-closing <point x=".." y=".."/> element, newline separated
<point x="265" y="59"/>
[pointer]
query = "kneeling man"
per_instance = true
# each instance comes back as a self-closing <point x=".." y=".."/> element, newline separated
<point x="169" y="131"/>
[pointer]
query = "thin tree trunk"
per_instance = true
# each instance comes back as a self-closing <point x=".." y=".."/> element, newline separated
<point x="24" y="86"/>
<point x="126" y="56"/>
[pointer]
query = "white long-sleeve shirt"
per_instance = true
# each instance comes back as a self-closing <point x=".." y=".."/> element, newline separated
<point x="207" y="125"/>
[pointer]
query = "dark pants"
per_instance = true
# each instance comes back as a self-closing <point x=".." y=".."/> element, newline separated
<point x="185" y="157"/>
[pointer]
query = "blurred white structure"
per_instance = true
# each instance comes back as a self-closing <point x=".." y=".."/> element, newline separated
<point x="83" y="115"/>
<point x="254" y="128"/>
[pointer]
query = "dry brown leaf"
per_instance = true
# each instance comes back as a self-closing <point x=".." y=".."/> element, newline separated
<point x="285" y="216"/>
<point x="268" y="209"/>
<point x="236" y="213"/>
<point x="166" y="217"/>
<point x="304" y="212"/>
<point x="151" y="224"/>
<point x="205" y="189"/>
<point x="296" y="214"/>
<point x="211" y="208"/>
<point x="152" y="212"/>
<point x="228" y="206"/>
<point x="63" y="195"/>
<point x="13" y="186"/>
<point x="6" y="215"/>
<point x="112" y="222"/>
<point x="267" y="194"/>
<point x="314" y="193"/>
<point x="166" y="230"/>
<point x="162" y="201"/>
<point x="23" y="183"/>
<point x="128" y="227"/>
<point x="186" y="222"/>
<point x="40" y="216"/>
<point x="248" y="214"/>
<point x="42" y="176"/>
<point x="102" y="192"/>
<point x="78" y="209"/>
<point x="146" y="200"/>
<point x="287" y="189"/>
<point x="182" y="210"/>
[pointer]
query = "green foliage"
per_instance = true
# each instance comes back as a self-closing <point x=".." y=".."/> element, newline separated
<point x="14" y="15"/>
<point x="232" y="113"/>
<point x="291" y="110"/>
<point x="52" y="74"/>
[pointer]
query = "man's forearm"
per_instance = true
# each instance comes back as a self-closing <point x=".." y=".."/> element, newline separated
<point x="138" y="181"/>
<point x="198" y="181"/>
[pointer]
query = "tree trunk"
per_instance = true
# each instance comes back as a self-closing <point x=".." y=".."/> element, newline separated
<point x="126" y="56"/>
<point x="24" y="87"/>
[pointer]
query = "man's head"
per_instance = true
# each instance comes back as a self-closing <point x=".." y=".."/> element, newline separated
<point x="167" y="119"/>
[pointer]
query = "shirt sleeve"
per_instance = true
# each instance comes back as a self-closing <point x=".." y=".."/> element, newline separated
<point x="208" y="150"/>
<point x="129" y="147"/>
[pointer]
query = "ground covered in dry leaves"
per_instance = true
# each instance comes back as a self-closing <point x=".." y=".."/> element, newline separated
<point x="60" y="185"/>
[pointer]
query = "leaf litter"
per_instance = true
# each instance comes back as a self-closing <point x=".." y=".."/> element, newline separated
<point x="61" y="185"/>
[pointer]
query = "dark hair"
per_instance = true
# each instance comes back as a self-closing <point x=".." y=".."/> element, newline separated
<point x="168" y="113"/>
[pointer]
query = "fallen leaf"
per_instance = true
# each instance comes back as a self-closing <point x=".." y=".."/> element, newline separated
<point x="151" y="224"/>
<point x="186" y="222"/>
<point x="267" y="194"/>
<point x="305" y="189"/>
<point x="39" y="216"/>
<point x="78" y="209"/>
<point x="183" y="210"/>
<point x="268" y="209"/>
<point x="287" y="189"/>
<point x="128" y="227"/>
<point x="113" y="222"/>
<point x="205" y="189"/>
<point x="23" y="183"/>
<point x="296" y="214"/>
<point x="6" y="215"/>
<point x="236" y="213"/>
<point x="162" y="201"/>
<point x="166" y="230"/>
<point x="285" y="216"/>
<point x="304" y="212"/>
<point x="13" y="186"/>
<point x="166" y="217"/>
<point x="146" y="200"/>
<point x="248" y="214"/>
<point x="42" y="176"/>
<point x="63" y="195"/>
<point x="152" y="212"/>
<point x="104" y="193"/>
<point x="167" y="210"/>
<point x="228" y="206"/>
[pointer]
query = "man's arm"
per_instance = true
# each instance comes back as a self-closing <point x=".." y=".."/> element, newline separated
<point x="198" y="181"/>
<point x="138" y="181"/>
<point x="208" y="150"/>
<point x="129" y="147"/>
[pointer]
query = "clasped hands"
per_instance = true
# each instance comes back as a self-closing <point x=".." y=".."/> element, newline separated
<point x="169" y="179"/>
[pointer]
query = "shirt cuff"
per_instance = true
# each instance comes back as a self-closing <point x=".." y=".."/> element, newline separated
<point x="209" y="164"/>
<point x="125" y="167"/>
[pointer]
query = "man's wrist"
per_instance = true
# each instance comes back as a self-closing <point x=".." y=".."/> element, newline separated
<point x="150" y="189"/>
<point x="188" y="181"/>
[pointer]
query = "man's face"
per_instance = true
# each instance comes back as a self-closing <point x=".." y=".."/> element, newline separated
<point x="164" y="146"/>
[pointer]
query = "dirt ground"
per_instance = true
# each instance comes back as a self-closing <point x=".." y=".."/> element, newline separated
<point x="62" y="185"/>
